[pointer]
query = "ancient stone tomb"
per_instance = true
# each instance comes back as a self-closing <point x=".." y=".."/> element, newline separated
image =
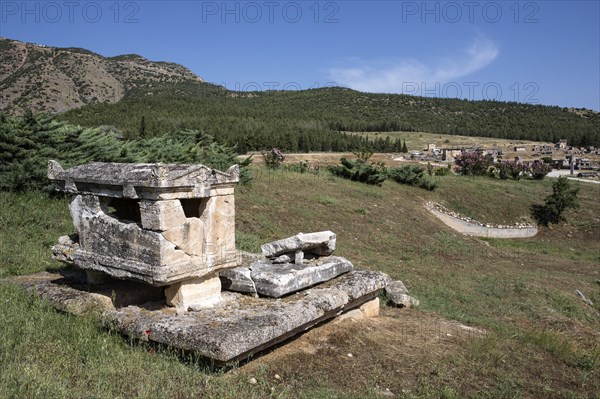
<point x="171" y="230"/>
<point x="164" y="225"/>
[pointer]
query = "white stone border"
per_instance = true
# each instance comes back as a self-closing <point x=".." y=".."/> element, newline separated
<point x="472" y="227"/>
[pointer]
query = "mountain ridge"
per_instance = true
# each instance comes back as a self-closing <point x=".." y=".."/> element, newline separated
<point x="56" y="79"/>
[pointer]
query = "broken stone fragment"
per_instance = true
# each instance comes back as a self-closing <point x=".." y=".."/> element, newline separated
<point x="284" y="259"/>
<point x="396" y="287"/>
<point x="278" y="280"/>
<point x="65" y="248"/>
<point x="403" y="301"/>
<point x="189" y="236"/>
<point x="299" y="257"/>
<point x="321" y="243"/>
<point x="398" y="295"/>
<point x="238" y="280"/>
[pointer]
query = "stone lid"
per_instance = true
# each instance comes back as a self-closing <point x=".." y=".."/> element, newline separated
<point x="141" y="180"/>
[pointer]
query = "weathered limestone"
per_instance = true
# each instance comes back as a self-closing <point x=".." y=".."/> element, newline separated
<point x="201" y="292"/>
<point x="66" y="248"/>
<point x="171" y="228"/>
<point x="238" y="279"/>
<point x="241" y="326"/>
<point x="267" y="278"/>
<point x="70" y="292"/>
<point x="371" y="308"/>
<point x="144" y="181"/>
<point x="188" y="236"/>
<point x="156" y="223"/>
<point x="161" y="215"/>
<point x="320" y="243"/>
<point x="278" y="280"/>
<point x="398" y="295"/>
<point x="367" y="310"/>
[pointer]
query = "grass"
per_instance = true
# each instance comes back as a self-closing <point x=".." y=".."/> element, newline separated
<point x="534" y="337"/>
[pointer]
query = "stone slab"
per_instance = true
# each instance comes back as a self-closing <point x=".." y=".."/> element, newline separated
<point x="321" y="243"/>
<point x="277" y="280"/>
<point x="68" y="291"/>
<point x="142" y="180"/>
<point x="241" y="326"/>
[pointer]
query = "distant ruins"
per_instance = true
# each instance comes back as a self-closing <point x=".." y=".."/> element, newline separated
<point x="161" y="240"/>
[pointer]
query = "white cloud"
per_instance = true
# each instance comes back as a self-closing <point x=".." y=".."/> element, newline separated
<point x="393" y="77"/>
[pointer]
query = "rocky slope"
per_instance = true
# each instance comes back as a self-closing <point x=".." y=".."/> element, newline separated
<point x="50" y="79"/>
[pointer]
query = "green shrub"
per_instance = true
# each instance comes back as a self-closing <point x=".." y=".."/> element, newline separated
<point x="412" y="175"/>
<point x="563" y="197"/>
<point x="359" y="170"/>
<point x="443" y="171"/>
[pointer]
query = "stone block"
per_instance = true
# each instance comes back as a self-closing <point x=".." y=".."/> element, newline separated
<point x="404" y="301"/>
<point x="238" y="280"/>
<point x="366" y="310"/>
<point x="201" y="292"/>
<point x="398" y="295"/>
<point x="219" y="233"/>
<point x="321" y="243"/>
<point x="120" y="210"/>
<point x="161" y="215"/>
<point x="82" y="208"/>
<point x="371" y="308"/>
<point x="189" y="236"/>
<point x="278" y="280"/>
<point x="396" y="287"/>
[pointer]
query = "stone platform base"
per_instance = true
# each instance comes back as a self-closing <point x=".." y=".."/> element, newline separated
<point x="70" y="292"/>
<point x="240" y="326"/>
<point x="233" y="329"/>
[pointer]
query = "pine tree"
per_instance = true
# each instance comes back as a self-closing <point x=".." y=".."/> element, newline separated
<point x="404" y="147"/>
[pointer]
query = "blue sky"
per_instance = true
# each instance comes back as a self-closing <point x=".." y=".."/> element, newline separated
<point x="545" y="52"/>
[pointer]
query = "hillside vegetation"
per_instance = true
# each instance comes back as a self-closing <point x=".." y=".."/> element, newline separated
<point x="26" y="145"/>
<point x="498" y="318"/>
<point x="311" y="120"/>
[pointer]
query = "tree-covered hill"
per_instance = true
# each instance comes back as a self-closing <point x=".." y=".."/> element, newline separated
<point x="310" y="120"/>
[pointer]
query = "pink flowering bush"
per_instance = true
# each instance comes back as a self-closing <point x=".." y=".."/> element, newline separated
<point x="473" y="163"/>
<point x="539" y="170"/>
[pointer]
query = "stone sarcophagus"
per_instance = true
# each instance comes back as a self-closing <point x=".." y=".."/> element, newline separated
<point x="163" y="224"/>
